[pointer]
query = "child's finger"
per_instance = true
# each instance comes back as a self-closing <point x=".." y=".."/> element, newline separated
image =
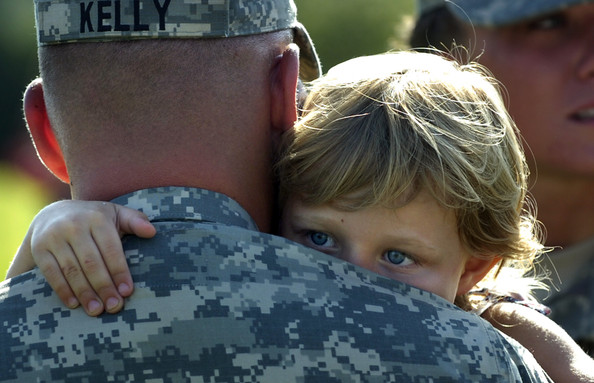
<point x="53" y="254"/>
<point x="74" y="275"/>
<point x="50" y="268"/>
<point x="97" y="275"/>
<point x="130" y="221"/>
<point x="109" y="245"/>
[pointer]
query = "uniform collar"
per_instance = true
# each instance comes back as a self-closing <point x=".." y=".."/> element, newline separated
<point x="173" y="203"/>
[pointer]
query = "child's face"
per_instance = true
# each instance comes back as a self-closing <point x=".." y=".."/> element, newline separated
<point x="417" y="244"/>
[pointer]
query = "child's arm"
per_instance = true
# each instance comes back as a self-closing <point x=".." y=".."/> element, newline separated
<point x="77" y="246"/>
<point x="552" y="347"/>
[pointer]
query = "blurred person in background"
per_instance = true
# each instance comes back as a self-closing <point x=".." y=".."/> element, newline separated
<point x="543" y="53"/>
<point x="25" y="184"/>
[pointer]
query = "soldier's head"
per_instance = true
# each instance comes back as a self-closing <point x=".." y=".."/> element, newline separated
<point x="180" y="92"/>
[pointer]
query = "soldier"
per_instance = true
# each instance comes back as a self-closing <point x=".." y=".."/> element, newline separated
<point x="542" y="52"/>
<point x="140" y="97"/>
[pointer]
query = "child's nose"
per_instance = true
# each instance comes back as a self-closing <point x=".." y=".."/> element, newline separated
<point x="360" y="258"/>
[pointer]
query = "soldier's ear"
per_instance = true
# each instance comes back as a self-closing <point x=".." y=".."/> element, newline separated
<point x="42" y="134"/>
<point x="284" y="89"/>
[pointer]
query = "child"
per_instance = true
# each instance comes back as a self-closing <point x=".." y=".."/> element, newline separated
<point x="406" y="164"/>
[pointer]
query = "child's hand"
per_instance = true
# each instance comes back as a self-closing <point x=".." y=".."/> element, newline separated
<point x="77" y="247"/>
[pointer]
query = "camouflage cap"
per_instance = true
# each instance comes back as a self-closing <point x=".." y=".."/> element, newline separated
<point x="65" y="21"/>
<point x="493" y="13"/>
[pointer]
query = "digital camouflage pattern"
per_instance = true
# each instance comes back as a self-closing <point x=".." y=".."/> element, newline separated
<point x="217" y="301"/>
<point x="67" y="21"/>
<point x="571" y="297"/>
<point x="498" y="12"/>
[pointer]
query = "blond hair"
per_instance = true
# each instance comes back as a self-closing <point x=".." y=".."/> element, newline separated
<point x="378" y="129"/>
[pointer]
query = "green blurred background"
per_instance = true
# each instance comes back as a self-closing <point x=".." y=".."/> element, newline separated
<point x="341" y="29"/>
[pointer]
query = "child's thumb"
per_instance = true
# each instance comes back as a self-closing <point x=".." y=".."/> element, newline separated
<point x="132" y="221"/>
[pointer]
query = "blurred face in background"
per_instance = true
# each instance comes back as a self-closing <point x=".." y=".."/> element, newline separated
<point x="547" y="68"/>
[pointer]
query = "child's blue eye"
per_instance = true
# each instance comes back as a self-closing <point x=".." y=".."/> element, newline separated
<point x="319" y="238"/>
<point x="397" y="257"/>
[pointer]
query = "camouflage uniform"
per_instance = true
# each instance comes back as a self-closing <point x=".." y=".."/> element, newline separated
<point x="572" y="299"/>
<point x="217" y="301"/>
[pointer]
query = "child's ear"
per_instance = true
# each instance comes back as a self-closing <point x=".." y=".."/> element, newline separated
<point x="475" y="269"/>
<point x="42" y="134"/>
